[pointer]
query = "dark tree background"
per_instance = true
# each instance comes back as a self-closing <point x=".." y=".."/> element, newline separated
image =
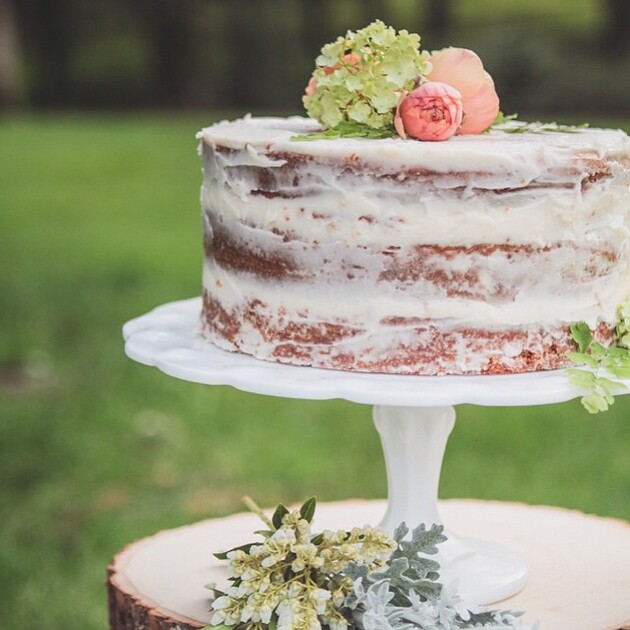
<point x="258" y="54"/>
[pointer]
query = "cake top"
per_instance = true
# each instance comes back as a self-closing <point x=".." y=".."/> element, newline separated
<point x="378" y="102"/>
<point x="521" y="156"/>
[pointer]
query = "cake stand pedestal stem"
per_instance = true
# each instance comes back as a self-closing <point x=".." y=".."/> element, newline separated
<point x="414" y="440"/>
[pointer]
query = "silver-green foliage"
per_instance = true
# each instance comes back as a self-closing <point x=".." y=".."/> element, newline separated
<point x="406" y="595"/>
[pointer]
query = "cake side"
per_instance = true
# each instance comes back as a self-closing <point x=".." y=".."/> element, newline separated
<point x="470" y="256"/>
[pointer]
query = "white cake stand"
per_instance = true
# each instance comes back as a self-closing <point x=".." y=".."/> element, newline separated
<point x="414" y="416"/>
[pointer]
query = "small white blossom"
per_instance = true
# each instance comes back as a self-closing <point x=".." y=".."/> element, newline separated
<point x="221" y="602"/>
<point x="318" y="598"/>
<point x="283" y="536"/>
<point x="338" y="623"/>
<point x="265" y="613"/>
<point x="246" y="614"/>
<point x="218" y="618"/>
<point x="338" y="598"/>
<point x="286" y="611"/>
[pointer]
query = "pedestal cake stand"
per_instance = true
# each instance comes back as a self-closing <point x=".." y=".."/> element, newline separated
<point x="413" y="415"/>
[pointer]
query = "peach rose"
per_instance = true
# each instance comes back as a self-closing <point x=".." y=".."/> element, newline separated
<point x="351" y="59"/>
<point x="432" y="112"/>
<point x="463" y="69"/>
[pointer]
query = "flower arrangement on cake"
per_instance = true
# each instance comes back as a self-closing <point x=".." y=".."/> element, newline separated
<point x="376" y="83"/>
<point x="296" y="579"/>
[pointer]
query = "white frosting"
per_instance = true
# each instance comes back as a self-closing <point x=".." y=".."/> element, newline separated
<point x="437" y="211"/>
<point x="509" y="159"/>
<point x="497" y="188"/>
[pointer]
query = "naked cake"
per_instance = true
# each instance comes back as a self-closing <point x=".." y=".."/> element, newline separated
<point x="472" y="255"/>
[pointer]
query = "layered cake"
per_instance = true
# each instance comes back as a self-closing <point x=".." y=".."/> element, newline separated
<point x="470" y="256"/>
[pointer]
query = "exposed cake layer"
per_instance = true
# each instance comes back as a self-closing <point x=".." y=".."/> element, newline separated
<point x="467" y="256"/>
<point x="502" y="284"/>
<point x="399" y="345"/>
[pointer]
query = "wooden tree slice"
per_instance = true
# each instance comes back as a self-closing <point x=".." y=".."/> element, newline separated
<point x="578" y="565"/>
<point x="132" y="611"/>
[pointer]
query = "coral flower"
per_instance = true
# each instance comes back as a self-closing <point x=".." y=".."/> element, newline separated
<point x="463" y="69"/>
<point x="432" y="112"/>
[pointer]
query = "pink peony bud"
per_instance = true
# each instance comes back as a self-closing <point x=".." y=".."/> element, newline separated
<point x="463" y="69"/>
<point x="432" y="112"/>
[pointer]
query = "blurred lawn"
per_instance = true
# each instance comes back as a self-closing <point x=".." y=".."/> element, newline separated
<point x="98" y="224"/>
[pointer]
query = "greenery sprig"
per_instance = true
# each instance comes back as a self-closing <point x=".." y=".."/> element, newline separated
<point x="510" y="124"/>
<point x="340" y="580"/>
<point x="347" y="129"/>
<point x="598" y="363"/>
<point x="504" y="123"/>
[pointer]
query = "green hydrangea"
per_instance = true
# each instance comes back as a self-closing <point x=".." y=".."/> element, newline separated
<point x="360" y="77"/>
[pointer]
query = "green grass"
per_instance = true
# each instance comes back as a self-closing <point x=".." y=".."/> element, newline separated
<point x="98" y="224"/>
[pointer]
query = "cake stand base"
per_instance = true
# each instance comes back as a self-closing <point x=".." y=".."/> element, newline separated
<point x="414" y="440"/>
<point x="579" y="565"/>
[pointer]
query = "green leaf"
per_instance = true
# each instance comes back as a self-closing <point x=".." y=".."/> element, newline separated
<point x="582" y="335"/>
<point x="620" y="371"/>
<point x="222" y="555"/>
<point x="598" y="351"/>
<point x="598" y="360"/>
<point x="594" y="403"/>
<point x="581" y="358"/>
<point x="307" y="511"/>
<point x="278" y="515"/>
<point x="609" y="385"/>
<point x="583" y="379"/>
<point x="502" y="118"/>
<point x="318" y="539"/>
<point x="619" y="353"/>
